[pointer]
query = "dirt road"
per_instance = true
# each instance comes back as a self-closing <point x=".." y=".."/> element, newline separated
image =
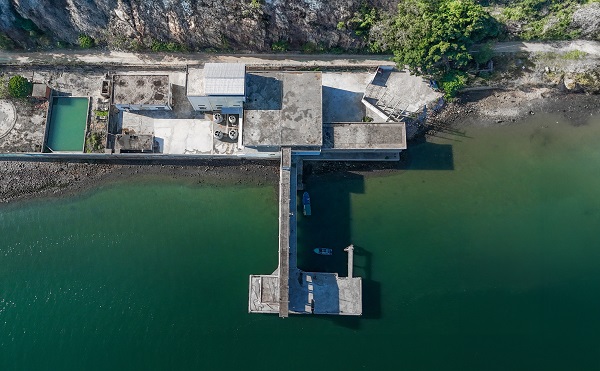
<point x="74" y="56"/>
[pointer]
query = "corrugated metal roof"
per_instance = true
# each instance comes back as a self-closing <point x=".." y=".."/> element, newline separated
<point x="224" y="78"/>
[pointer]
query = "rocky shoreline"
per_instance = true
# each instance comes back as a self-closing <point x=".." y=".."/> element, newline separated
<point x="26" y="180"/>
<point x="22" y="180"/>
<point x="502" y="107"/>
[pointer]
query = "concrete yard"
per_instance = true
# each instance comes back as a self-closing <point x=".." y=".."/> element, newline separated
<point x="182" y="136"/>
<point x="398" y="91"/>
<point x="342" y="95"/>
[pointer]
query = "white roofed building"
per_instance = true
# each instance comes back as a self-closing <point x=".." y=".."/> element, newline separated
<point x="217" y="87"/>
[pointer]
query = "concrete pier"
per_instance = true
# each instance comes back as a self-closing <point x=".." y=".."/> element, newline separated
<point x="284" y="230"/>
<point x="289" y="289"/>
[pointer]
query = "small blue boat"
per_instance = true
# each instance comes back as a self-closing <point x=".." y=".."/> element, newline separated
<point x="306" y="203"/>
<point x="323" y="251"/>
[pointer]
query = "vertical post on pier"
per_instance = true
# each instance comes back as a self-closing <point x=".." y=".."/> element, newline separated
<point x="350" y="251"/>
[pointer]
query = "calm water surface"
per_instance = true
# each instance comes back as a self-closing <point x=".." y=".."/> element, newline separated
<point x="483" y="254"/>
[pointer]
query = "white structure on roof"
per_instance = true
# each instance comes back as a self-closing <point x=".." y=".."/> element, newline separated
<point x="217" y="87"/>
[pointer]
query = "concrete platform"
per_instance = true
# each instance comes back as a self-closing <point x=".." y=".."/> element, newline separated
<point x="328" y="293"/>
<point x="264" y="294"/>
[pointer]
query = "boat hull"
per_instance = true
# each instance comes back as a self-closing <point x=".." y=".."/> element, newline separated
<point x="323" y="251"/>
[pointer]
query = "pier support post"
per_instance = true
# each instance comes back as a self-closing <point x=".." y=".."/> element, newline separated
<point x="350" y="251"/>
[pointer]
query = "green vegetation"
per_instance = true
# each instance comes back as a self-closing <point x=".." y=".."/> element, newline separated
<point x="280" y="46"/>
<point x="452" y="82"/>
<point x="5" y="42"/>
<point x="570" y="55"/>
<point x="160" y="46"/>
<point x="434" y="37"/>
<point x="367" y="119"/>
<point x="256" y="4"/>
<point x="362" y="21"/>
<point x="310" y="48"/>
<point x="484" y="54"/>
<point x="94" y="142"/>
<point x="543" y="19"/>
<point x="85" y="41"/>
<point x="574" y="55"/>
<point x="100" y="113"/>
<point x="19" y="87"/>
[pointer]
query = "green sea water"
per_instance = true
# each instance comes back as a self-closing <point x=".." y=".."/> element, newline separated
<point x="482" y="254"/>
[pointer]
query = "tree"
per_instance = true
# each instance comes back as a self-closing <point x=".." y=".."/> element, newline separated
<point x="19" y="87"/>
<point x="434" y="36"/>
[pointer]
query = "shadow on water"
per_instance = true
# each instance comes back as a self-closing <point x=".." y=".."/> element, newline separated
<point x="430" y="156"/>
<point x="330" y="226"/>
<point x="330" y="223"/>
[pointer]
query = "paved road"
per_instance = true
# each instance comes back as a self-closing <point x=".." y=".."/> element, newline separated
<point x="58" y="57"/>
<point x="590" y="47"/>
<point x="66" y="56"/>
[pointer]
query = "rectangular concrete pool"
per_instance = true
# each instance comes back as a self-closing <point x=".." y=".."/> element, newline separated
<point x="66" y="128"/>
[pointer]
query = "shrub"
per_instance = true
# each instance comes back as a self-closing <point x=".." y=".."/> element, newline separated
<point x="363" y="20"/>
<point x="161" y="46"/>
<point x="5" y="42"/>
<point x="341" y="25"/>
<point x="312" y="48"/>
<point x="484" y="54"/>
<point x="452" y="82"/>
<point x="85" y="41"/>
<point x="19" y="87"/>
<point x="280" y="46"/>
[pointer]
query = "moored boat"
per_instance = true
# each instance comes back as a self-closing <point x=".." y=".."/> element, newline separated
<point x="306" y="203"/>
<point x="323" y="251"/>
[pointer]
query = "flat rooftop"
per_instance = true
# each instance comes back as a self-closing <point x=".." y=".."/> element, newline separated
<point x="216" y="79"/>
<point x="134" y="143"/>
<point x="195" y="81"/>
<point x="364" y="136"/>
<point x="283" y="109"/>
<point x="141" y="89"/>
<point x="392" y="89"/>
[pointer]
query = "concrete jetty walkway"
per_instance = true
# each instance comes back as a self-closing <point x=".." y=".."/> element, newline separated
<point x="289" y="289"/>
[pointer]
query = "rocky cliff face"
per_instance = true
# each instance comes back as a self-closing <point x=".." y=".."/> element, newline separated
<point x="196" y="24"/>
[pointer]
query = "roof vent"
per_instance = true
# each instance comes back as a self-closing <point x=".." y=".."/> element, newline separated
<point x="217" y="118"/>
<point x="233" y="134"/>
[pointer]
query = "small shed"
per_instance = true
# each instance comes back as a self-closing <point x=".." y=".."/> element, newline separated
<point x="40" y="91"/>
